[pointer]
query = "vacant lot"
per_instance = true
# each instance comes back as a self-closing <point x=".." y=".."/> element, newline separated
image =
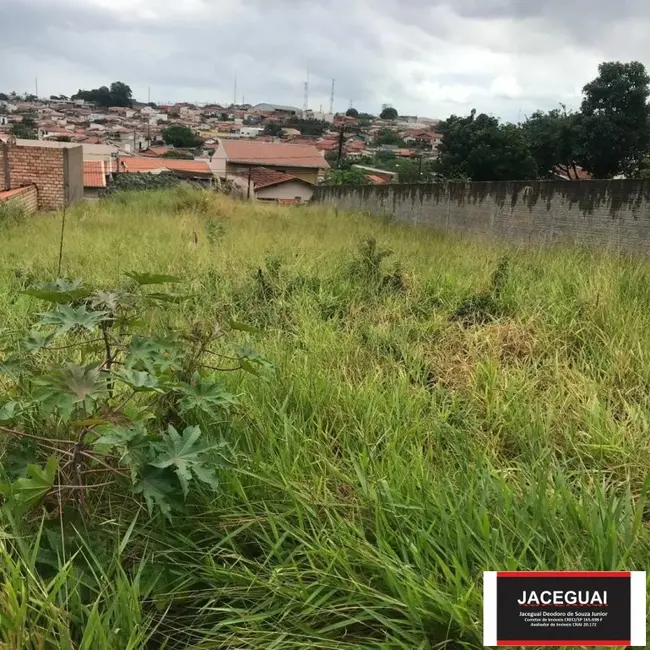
<point x="449" y="408"/>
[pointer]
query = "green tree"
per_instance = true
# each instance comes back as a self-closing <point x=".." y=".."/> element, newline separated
<point x="615" y="120"/>
<point x="389" y="113"/>
<point x="119" y="94"/>
<point x="4" y="98"/>
<point x="25" y="130"/>
<point x="346" y="177"/>
<point x="479" y="148"/>
<point x="554" y="139"/>
<point x="352" y="112"/>
<point x="386" y="136"/>
<point x="273" y="129"/>
<point x="181" y="136"/>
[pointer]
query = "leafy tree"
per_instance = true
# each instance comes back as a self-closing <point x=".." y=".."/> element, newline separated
<point x="273" y="129"/>
<point x="119" y="94"/>
<point x="26" y="130"/>
<point x="152" y="105"/>
<point x="389" y="113"/>
<point x="386" y="136"/>
<point x="346" y="177"/>
<point x="308" y="127"/>
<point x="479" y="148"/>
<point x="178" y="135"/>
<point x="616" y="119"/>
<point x="554" y="139"/>
<point x="352" y="112"/>
<point x="31" y="98"/>
<point x="4" y="98"/>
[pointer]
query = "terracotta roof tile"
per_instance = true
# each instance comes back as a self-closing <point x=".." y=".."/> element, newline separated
<point x="140" y="164"/>
<point x="94" y="173"/>
<point x="264" y="177"/>
<point x="274" y="154"/>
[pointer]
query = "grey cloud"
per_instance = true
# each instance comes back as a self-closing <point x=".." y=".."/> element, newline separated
<point x="398" y="51"/>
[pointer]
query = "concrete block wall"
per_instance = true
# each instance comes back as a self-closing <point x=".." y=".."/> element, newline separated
<point x="25" y="197"/>
<point x="57" y="172"/>
<point x="608" y="214"/>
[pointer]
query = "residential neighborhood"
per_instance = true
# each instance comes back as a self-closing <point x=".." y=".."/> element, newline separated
<point x="267" y="151"/>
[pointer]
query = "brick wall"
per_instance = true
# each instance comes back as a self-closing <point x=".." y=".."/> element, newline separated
<point x="25" y="197"/>
<point x="48" y="168"/>
<point x="607" y="214"/>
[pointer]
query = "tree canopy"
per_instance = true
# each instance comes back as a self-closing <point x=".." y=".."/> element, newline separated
<point x="480" y="148"/>
<point x="119" y="94"/>
<point x="181" y="136"/>
<point x="389" y="113"/>
<point x="616" y="119"/>
<point x="346" y="177"/>
<point x="352" y="112"/>
<point x="26" y="130"/>
<point x="555" y="142"/>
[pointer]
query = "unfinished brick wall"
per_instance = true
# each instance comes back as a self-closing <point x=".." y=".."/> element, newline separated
<point x="606" y="214"/>
<point x="48" y="168"/>
<point x="24" y="197"/>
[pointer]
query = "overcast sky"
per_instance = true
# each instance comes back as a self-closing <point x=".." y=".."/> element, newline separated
<point x="428" y="58"/>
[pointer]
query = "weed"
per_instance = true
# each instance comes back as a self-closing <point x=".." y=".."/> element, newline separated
<point x="391" y="458"/>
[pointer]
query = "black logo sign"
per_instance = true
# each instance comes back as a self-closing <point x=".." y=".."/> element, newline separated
<point x="564" y="608"/>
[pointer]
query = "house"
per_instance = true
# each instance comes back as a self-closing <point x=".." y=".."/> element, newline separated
<point x="303" y="161"/>
<point x="95" y="172"/>
<point x="270" y="185"/>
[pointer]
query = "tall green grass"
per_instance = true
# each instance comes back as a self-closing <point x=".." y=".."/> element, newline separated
<point x="394" y="456"/>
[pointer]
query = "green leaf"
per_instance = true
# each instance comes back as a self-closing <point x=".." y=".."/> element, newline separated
<point x="28" y="491"/>
<point x="253" y="362"/>
<point x="182" y="453"/>
<point x="13" y="366"/>
<point x="70" y="387"/>
<point x="35" y="342"/>
<point x="149" y="278"/>
<point x="242" y="327"/>
<point x="8" y="411"/>
<point x="204" y="394"/>
<point x="132" y="443"/>
<point x="67" y="318"/>
<point x="111" y="300"/>
<point x="60" y="292"/>
<point x="158" y="491"/>
<point x="140" y="381"/>
<point x="155" y="355"/>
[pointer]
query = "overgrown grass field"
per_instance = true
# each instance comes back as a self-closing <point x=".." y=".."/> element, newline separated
<point x="451" y="407"/>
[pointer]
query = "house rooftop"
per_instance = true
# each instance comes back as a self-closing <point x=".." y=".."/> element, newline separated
<point x="94" y="173"/>
<point x="264" y="177"/>
<point x="250" y="152"/>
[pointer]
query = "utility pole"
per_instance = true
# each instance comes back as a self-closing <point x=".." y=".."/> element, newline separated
<point x="341" y="141"/>
<point x="332" y="98"/>
<point x="234" y="98"/>
<point x="250" y="174"/>
<point x="149" y="95"/>
<point x="36" y="86"/>
<point x="420" y="169"/>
